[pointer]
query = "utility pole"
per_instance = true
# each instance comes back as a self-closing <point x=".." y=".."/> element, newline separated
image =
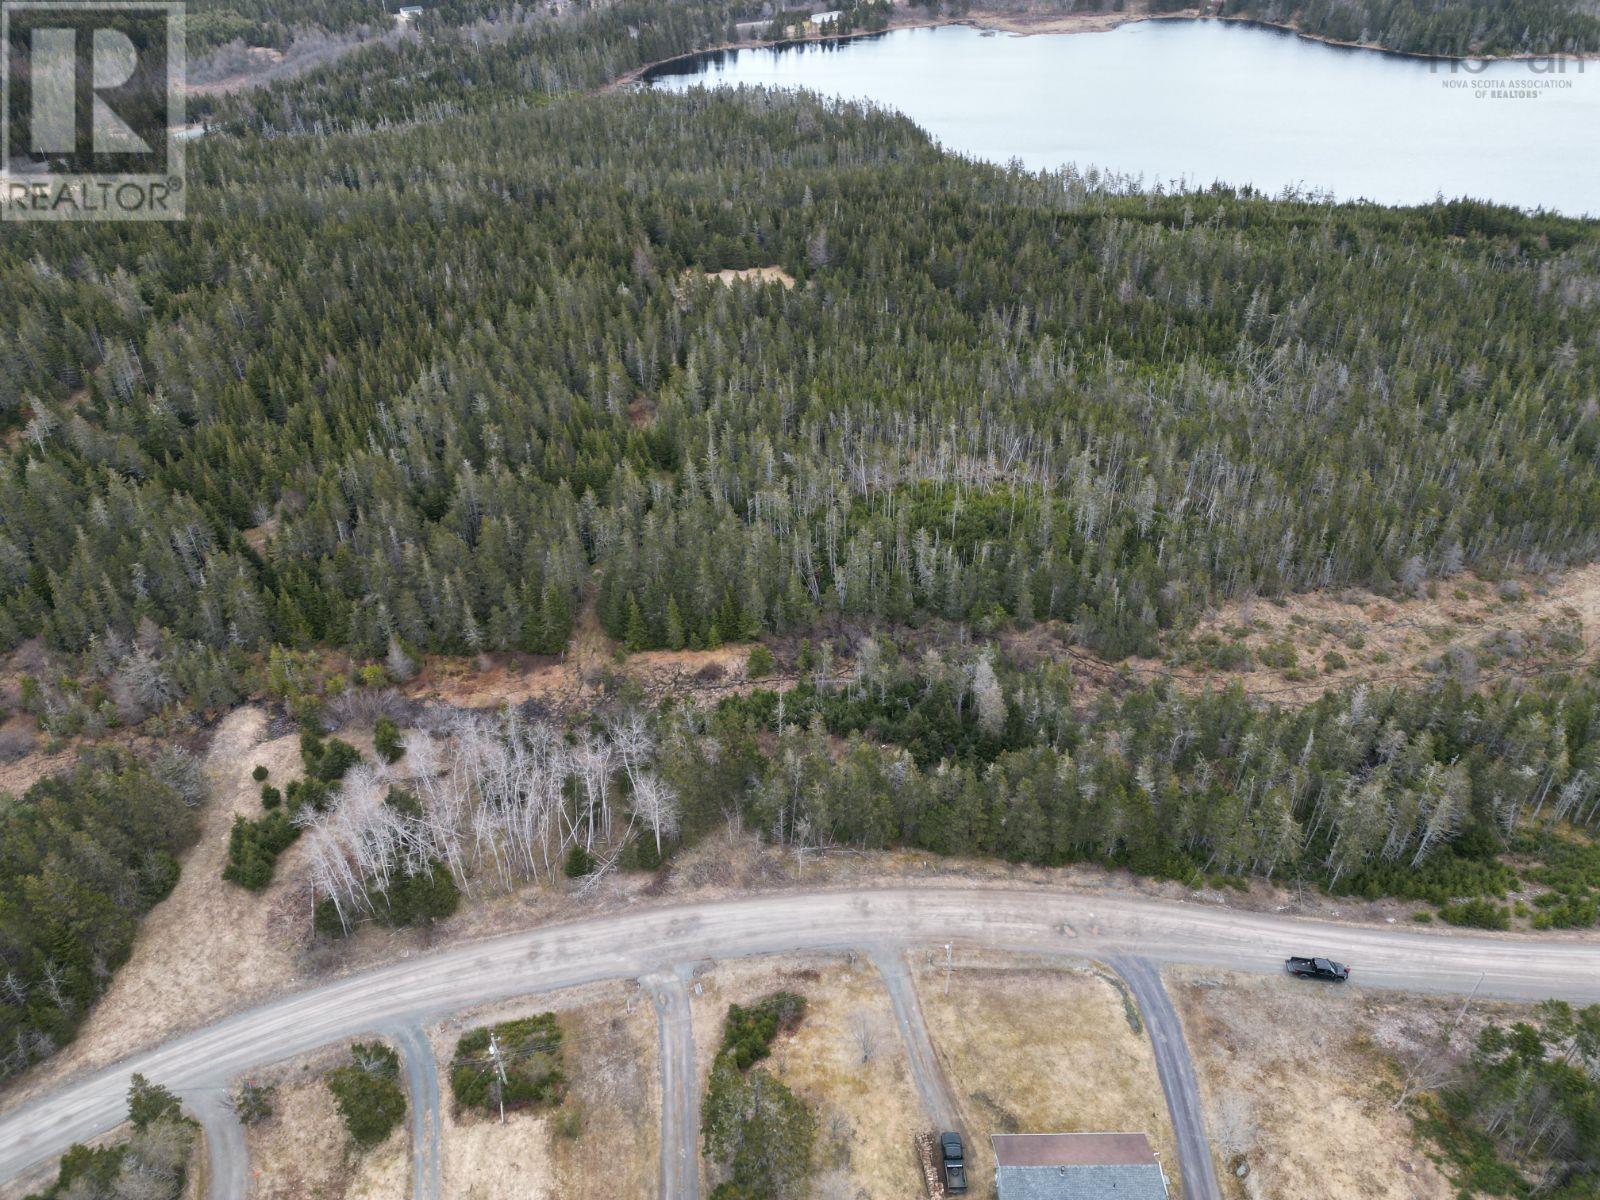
<point x="499" y="1073"/>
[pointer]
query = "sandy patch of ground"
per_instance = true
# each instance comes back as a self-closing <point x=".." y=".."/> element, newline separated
<point x="1300" y="1082"/>
<point x="610" y="1118"/>
<point x="210" y="947"/>
<point x="1037" y="1048"/>
<point x="752" y="275"/>
<point x="304" y="1150"/>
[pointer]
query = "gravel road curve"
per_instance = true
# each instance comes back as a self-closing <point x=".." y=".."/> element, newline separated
<point x="228" y="1164"/>
<point x="635" y="943"/>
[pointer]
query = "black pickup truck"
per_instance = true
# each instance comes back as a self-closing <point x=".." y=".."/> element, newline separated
<point x="955" y="1163"/>
<point x="1317" y="968"/>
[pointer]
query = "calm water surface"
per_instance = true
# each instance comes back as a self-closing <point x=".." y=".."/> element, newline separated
<point x="1204" y="101"/>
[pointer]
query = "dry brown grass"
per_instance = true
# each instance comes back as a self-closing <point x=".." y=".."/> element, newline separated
<point x="1299" y="1083"/>
<point x="1522" y="626"/>
<point x="604" y="1139"/>
<point x="867" y="1111"/>
<point x="578" y="679"/>
<point x="1038" y="1048"/>
<point x="1027" y="19"/>
<point x="304" y="1150"/>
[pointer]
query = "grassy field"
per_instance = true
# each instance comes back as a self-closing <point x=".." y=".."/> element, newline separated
<point x="845" y="1060"/>
<point x="1300" y="1083"/>
<point x="610" y="1115"/>
<point x="1040" y="1049"/>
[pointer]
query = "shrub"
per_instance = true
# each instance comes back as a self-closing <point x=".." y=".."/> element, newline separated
<point x="326" y="761"/>
<point x="748" y="1033"/>
<point x="259" y="774"/>
<point x="760" y="1131"/>
<point x="1280" y="655"/>
<point x="337" y="758"/>
<point x="1476" y="913"/>
<point x="368" y="1092"/>
<point x="760" y="664"/>
<point x="311" y="792"/>
<point x="325" y="919"/>
<point x="252" y="1103"/>
<point x="150" y="1102"/>
<point x="254" y="846"/>
<point x="271" y="797"/>
<point x="386" y="740"/>
<point x="419" y="899"/>
<point x="529" y="1050"/>
<point x="579" y="863"/>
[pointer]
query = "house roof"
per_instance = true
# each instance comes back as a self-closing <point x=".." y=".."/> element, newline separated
<point x="1077" y="1166"/>
<point x="1071" y="1149"/>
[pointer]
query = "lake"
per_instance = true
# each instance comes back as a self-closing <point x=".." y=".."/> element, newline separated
<point x="1209" y="101"/>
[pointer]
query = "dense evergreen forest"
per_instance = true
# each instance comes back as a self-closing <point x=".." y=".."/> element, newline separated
<point x="1371" y="791"/>
<point x="82" y="857"/>
<point x="1439" y="27"/>
<point x="460" y="369"/>
<point x="435" y="363"/>
<point x="1452" y="28"/>
<point x="1523" y="1118"/>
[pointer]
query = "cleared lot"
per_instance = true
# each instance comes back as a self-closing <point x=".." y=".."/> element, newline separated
<point x="601" y="1141"/>
<point x="304" y="1150"/>
<point x="1030" y="1047"/>
<point x="845" y="1060"/>
<point x="1300" y="1081"/>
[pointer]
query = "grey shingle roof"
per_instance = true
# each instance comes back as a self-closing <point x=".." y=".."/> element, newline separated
<point x="1119" y="1181"/>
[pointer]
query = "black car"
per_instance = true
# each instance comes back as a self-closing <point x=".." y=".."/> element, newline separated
<point x="955" y="1163"/>
<point x="1317" y="968"/>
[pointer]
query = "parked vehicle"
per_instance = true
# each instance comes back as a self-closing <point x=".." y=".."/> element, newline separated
<point x="955" y="1163"/>
<point x="1317" y="968"/>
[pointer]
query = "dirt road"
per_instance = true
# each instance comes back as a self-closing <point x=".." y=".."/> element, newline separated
<point x="1177" y="1076"/>
<point x="227" y="1163"/>
<point x="680" y="1087"/>
<point x="422" y="1086"/>
<point x="925" y="1071"/>
<point x="639" y="943"/>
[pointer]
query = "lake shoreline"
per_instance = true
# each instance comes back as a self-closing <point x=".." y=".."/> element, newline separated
<point x="1052" y="24"/>
<point x="1280" y="116"/>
